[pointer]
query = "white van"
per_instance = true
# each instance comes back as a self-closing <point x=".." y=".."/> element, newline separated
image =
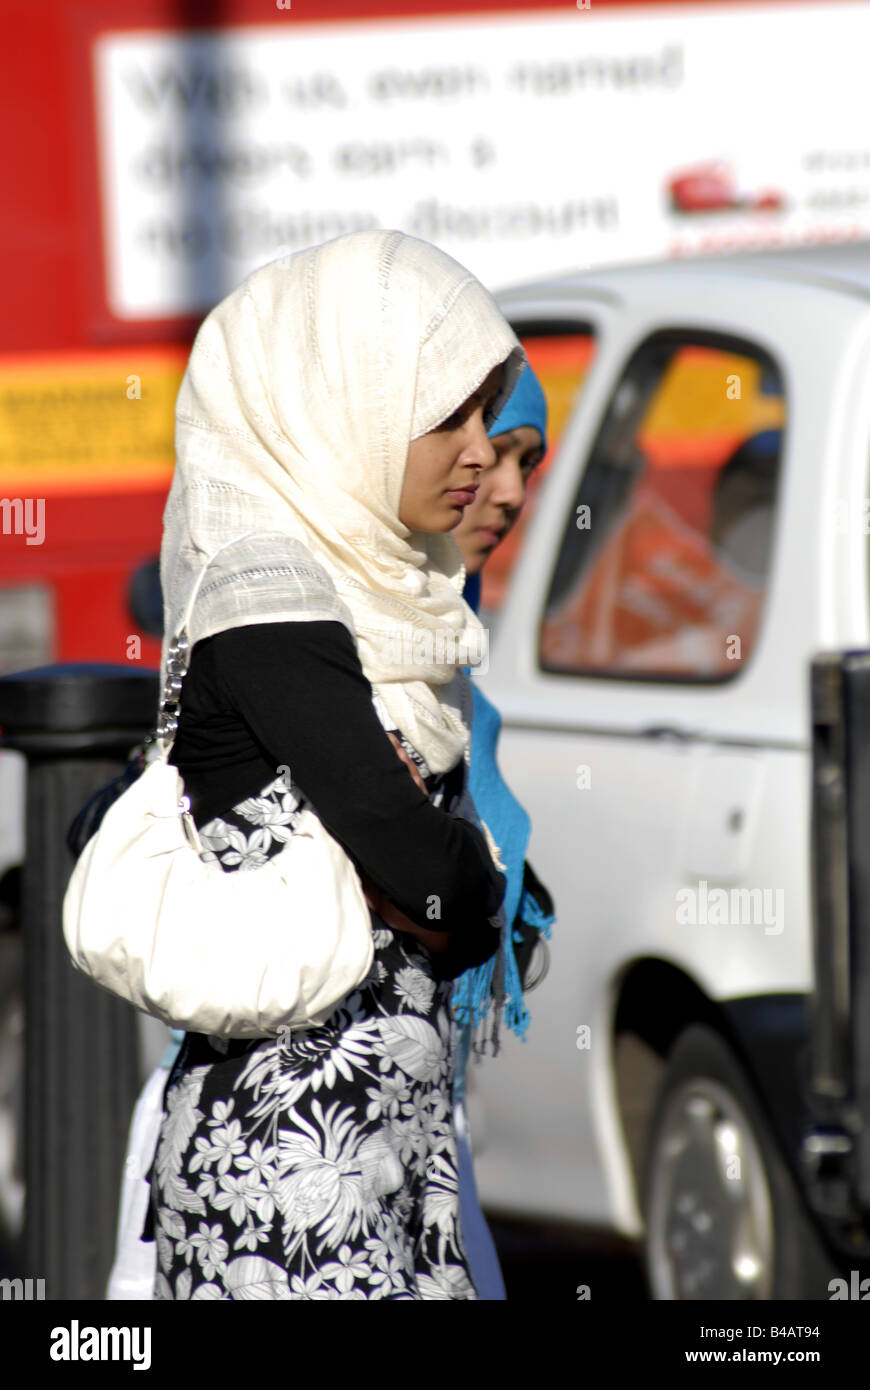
<point x="700" y="535"/>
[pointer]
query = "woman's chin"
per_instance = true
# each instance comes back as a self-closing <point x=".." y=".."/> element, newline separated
<point x="446" y="518"/>
<point x="471" y="557"/>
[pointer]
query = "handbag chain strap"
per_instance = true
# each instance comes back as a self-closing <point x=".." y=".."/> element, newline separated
<point x="177" y="661"/>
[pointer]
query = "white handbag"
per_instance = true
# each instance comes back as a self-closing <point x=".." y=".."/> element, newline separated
<point x="244" y="954"/>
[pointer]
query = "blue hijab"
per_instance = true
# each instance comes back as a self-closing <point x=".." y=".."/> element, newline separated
<point x="526" y="405"/>
<point x="472" y="996"/>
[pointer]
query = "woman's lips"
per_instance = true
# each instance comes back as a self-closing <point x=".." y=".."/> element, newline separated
<point x="488" y="535"/>
<point x="462" y="496"/>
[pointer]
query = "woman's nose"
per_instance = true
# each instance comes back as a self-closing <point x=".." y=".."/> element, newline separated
<point x="508" y="487"/>
<point x="479" y="450"/>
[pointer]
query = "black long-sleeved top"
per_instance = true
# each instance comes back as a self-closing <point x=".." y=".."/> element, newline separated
<point x="295" y="693"/>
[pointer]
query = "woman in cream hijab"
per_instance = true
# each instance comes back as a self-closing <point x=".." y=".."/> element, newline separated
<point x="333" y="415"/>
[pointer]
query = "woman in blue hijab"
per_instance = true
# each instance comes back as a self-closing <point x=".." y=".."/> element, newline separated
<point x="494" y="990"/>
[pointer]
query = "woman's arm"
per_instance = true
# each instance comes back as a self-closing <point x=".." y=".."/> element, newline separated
<point x="377" y="899"/>
<point x="301" y="690"/>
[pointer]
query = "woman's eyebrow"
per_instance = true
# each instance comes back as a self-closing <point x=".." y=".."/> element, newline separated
<point x="493" y="390"/>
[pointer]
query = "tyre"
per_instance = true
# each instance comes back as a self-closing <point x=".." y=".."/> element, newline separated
<point x="724" y="1218"/>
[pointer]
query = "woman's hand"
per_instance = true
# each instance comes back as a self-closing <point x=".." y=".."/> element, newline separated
<point x="393" y="917"/>
<point x="436" y="941"/>
<point x="409" y="763"/>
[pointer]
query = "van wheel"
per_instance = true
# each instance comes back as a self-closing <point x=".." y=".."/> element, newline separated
<point x="724" y="1219"/>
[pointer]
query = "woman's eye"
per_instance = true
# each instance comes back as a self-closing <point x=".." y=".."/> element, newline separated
<point x="461" y="416"/>
<point x="454" y="421"/>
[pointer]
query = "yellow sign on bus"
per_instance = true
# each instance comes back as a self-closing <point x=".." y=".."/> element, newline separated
<point x="88" y="421"/>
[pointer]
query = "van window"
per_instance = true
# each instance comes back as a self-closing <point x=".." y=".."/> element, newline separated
<point x="663" y="564"/>
<point x="560" y="354"/>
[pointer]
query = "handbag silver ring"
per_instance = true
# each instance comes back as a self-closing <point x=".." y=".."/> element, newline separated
<point x="544" y="967"/>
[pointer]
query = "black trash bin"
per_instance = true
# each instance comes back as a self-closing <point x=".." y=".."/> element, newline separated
<point x="76" y="725"/>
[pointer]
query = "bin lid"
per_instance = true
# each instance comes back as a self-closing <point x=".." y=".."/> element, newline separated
<point x="76" y="696"/>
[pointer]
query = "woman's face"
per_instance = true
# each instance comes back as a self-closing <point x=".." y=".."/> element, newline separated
<point x="445" y="463"/>
<point x="500" y="497"/>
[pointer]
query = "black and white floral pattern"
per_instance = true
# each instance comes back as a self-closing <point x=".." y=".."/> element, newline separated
<point x="274" y="814"/>
<point x="322" y="1164"/>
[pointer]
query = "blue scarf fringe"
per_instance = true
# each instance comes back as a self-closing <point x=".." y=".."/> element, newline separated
<point x="495" y="986"/>
<point x="473" y="990"/>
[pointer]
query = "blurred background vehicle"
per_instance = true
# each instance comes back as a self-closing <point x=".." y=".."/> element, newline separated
<point x="700" y="537"/>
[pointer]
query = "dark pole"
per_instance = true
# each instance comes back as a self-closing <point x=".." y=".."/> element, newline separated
<point x="76" y="726"/>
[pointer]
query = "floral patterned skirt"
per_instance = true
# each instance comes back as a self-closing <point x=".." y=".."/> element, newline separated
<point x="321" y="1165"/>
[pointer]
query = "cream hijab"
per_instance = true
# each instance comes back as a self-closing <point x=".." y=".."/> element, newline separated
<point x="303" y="391"/>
